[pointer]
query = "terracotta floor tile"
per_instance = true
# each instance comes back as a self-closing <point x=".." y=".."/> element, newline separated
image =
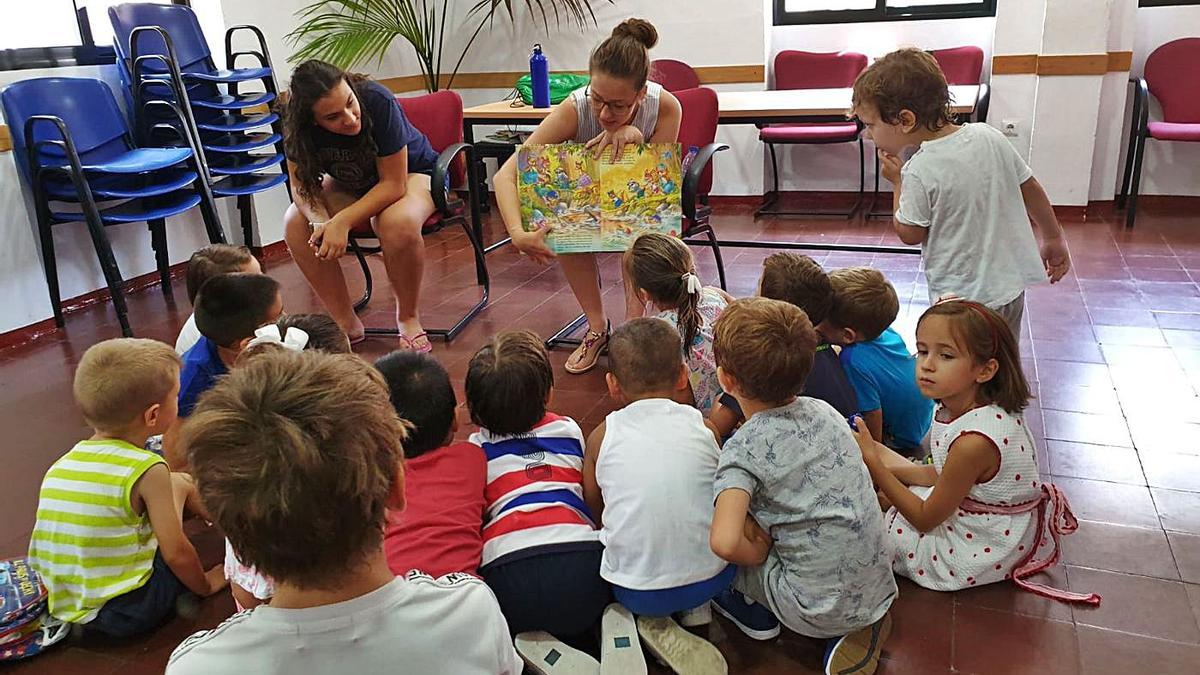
<point x="1178" y="320"/>
<point x="1117" y="548"/>
<point x="1179" y="511"/>
<point x="1005" y="596"/>
<point x="1128" y="335"/>
<point x="1084" y="428"/>
<point x="1175" y="472"/>
<point x="1109" y="502"/>
<point x="1160" y="435"/>
<point x="921" y="639"/>
<point x="1107" y="652"/>
<point x="1079" y="374"/>
<point x="1053" y="395"/>
<point x="1186" y="549"/>
<point x="987" y="641"/>
<point x="1095" y="462"/>
<point x="1133" y="604"/>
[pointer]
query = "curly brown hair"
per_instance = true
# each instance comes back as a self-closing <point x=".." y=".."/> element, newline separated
<point x="311" y="81"/>
<point x="906" y="79"/>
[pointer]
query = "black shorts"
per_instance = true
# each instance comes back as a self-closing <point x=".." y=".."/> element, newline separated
<point x="144" y="608"/>
<point x="560" y="592"/>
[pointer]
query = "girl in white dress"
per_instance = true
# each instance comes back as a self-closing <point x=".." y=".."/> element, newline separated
<point x="980" y="513"/>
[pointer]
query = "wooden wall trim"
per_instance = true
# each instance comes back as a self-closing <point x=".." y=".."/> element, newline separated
<point x="5" y="138"/>
<point x="1061" y="64"/>
<point x="506" y="79"/>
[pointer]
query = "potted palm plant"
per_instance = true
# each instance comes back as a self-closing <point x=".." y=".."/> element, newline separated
<point x="348" y="33"/>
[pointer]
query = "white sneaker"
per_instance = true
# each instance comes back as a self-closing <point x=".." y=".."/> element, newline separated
<point x="678" y="649"/>
<point x="546" y="655"/>
<point x="620" y="649"/>
<point x="696" y="616"/>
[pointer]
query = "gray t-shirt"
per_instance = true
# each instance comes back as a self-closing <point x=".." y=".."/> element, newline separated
<point x="829" y="571"/>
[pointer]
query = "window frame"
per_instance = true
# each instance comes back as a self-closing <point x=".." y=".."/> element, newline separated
<point x="87" y="53"/>
<point x="881" y="13"/>
<point x="1167" y="3"/>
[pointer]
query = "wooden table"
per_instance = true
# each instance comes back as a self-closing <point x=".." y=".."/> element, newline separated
<point x="740" y="107"/>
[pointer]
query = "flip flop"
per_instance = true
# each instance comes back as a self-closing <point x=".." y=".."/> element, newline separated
<point x="357" y="340"/>
<point x="410" y="343"/>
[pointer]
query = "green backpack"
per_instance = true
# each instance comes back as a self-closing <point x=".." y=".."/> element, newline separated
<point x="561" y="86"/>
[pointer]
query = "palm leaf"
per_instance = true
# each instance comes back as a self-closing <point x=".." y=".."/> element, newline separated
<point x="578" y="12"/>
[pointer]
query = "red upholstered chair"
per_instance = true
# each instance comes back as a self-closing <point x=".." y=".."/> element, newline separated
<point x="673" y="75"/>
<point x="1172" y="75"/>
<point x="810" y="70"/>
<point x="440" y="117"/>
<point x="962" y="66"/>
<point x="698" y="131"/>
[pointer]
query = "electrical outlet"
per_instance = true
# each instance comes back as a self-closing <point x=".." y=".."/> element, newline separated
<point x="1009" y="127"/>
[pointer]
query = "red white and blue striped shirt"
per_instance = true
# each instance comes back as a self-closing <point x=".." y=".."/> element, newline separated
<point x="534" y="493"/>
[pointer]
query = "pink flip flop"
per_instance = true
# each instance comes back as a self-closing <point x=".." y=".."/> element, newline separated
<point x="410" y="343"/>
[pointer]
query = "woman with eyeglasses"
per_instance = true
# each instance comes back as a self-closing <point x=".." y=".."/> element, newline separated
<point x="617" y="108"/>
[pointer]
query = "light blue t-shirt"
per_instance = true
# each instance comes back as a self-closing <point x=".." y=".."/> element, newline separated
<point x="884" y="376"/>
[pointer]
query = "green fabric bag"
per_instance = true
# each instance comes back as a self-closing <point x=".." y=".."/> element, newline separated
<point x="561" y="86"/>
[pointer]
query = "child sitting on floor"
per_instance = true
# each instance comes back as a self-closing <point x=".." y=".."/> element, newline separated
<point x="205" y="264"/>
<point x="980" y="512"/>
<point x="541" y="551"/>
<point x="647" y="476"/>
<point x="439" y="530"/>
<point x="876" y="359"/>
<point x="298" y="457"/>
<point x="662" y="272"/>
<point x="823" y="570"/>
<point x="108" y="541"/>
<point x="966" y="196"/>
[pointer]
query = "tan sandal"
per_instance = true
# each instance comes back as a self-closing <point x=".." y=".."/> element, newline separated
<point x="586" y="355"/>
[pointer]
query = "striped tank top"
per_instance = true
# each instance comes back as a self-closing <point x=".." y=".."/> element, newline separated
<point x="88" y="544"/>
<point x="534" y="493"/>
<point x="645" y="119"/>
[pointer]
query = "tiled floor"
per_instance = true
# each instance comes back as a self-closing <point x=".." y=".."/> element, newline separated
<point x="1115" y="350"/>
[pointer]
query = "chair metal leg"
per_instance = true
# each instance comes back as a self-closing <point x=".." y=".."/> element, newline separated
<point x="245" y="211"/>
<point x="773" y="196"/>
<point x="1135" y="184"/>
<point x="112" y="274"/>
<point x="716" y="248"/>
<point x="366" y="270"/>
<point x="563" y="336"/>
<point x="50" y="265"/>
<point x="1135" y="131"/>
<point x="158" y="241"/>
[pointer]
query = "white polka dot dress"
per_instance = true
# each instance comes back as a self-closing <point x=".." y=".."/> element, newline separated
<point x="972" y="549"/>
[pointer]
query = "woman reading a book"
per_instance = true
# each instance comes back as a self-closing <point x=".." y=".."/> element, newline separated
<point x="617" y="108"/>
<point x="354" y="157"/>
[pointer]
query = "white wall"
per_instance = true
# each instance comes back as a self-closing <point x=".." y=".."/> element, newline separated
<point x="835" y="167"/>
<point x="1168" y="168"/>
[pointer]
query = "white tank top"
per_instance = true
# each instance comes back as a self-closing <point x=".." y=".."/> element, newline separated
<point x="655" y="471"/>
<point x="645" y="119"/>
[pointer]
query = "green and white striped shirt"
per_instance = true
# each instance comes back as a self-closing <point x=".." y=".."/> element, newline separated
<point x="88" y="544"/>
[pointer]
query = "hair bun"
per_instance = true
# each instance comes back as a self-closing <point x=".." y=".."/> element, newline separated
<point x="639" y="29"/>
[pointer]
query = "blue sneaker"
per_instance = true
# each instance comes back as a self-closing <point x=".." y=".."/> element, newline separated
<point x="858" y="653"/>
<point x="752" y="618"/>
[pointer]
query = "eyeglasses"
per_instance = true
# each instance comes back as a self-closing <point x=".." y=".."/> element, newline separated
<point x="598" y="104"/>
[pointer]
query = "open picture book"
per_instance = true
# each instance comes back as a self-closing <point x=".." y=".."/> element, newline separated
<point x="593" y="204"/>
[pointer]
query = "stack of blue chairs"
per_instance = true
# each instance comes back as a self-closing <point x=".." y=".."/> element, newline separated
<point x="79" y="158"/>
<point x="164" y="60"/>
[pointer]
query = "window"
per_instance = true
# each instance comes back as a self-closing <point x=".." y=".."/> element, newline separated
<point x="50" y="33"/>
<point x="792" y="12"/>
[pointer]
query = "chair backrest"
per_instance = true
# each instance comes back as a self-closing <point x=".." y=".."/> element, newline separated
<point x="698" y="126"/>
<point x="811" y="70"/>
<point x="673" y="75"/>
<point x="1173" y="75"/>
<point x="440" y="117"/>
<point x="960" y="65"/>
<point x="86" y="107"/>
<point x="191" y="49"/>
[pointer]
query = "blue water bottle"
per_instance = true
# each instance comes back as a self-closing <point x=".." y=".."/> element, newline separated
<point x="539" y="74"/>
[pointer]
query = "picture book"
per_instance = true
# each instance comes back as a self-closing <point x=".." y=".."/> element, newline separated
<point x="597" y="204"/>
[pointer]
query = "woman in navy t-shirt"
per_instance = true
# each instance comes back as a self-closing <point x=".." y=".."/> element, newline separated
<point x="353" y="156"/>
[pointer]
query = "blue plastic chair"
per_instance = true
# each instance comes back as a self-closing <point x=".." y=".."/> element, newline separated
<point x="73" y="145"/>
<point x="163" y="57"/>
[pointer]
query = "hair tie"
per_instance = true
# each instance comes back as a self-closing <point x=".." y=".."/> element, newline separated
<point x="692" y="282"/>
<point x="295" y="339"/>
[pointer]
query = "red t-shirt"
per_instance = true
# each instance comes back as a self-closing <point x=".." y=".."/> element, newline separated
<point x="438" y="531"/>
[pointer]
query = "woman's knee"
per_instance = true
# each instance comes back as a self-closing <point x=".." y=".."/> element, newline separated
<point x="399" y="227"/>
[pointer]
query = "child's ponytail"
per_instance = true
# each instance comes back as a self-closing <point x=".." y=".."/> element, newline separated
<point x="663" y="267"/>
<point x="985" y="335"/>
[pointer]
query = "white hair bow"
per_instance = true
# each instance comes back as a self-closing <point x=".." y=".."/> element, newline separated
<point x="693" y="283"/>
<point x="295" y="339"/>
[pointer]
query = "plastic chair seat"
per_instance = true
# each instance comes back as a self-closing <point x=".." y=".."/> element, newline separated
<point x="232" y="123"/>
<point x="123" y="187"/>
<point x="246" y="184"/>
<point x="809" y="133"/>
<point x="1174" y="131"/>
<point x="223" y="75"/>
<point x="227" y="102"/>
<point x="137" y="210"/>
<point x="239" y="142"/>
<point x="140" y="160"/>
<point x="238" y="165"/>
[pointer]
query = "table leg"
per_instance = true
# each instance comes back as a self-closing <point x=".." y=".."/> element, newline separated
<point x="480" y="182"/>
<point x="477" y="197"/>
